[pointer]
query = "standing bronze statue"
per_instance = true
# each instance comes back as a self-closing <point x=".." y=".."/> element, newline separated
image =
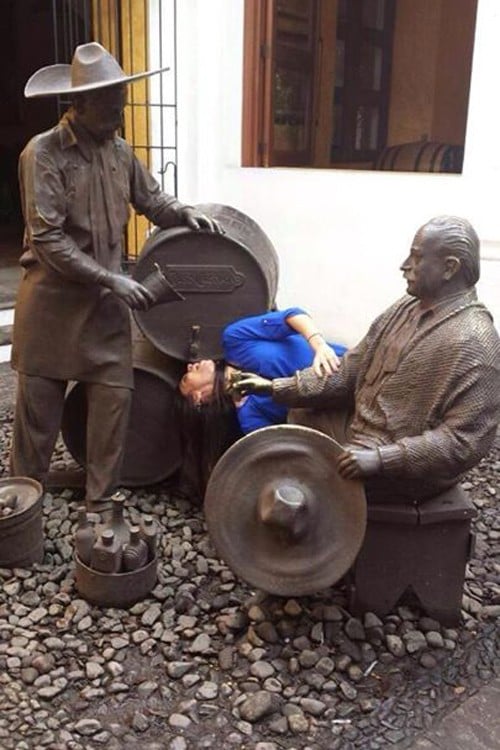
<point x="417" y="402"/>
<point x="72" y="314"/>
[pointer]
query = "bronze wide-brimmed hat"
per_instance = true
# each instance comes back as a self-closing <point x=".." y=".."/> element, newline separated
<point x="92" y="67"/>
<point x="280" y="515"/>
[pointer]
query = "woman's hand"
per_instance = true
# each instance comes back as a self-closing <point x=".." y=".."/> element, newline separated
<point x="325" y="360"/>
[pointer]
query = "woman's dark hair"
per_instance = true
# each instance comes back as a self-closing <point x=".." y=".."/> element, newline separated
<point x="206" y="432"/>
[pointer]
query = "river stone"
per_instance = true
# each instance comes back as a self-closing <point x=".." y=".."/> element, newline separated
<point x="414" y="641"/>
<point x="262" y="670"/>
<point x="207" y="691"/>
<point x="427" y="660"/>
<point x="298" y="723"/>
<point x="312" y="706"/>
<point x="201" y="644"/>
<point x="43" y="663"/>
<point x="87" y="727"/>
<point x="308" y="658"/>
<point x="325" y="666"/>
<point x="29" y="675"/>
<point x="176" y="669"/>
<point x="258" y="705"/>
<point x="93" y="670"/>
<point x="395" y="645"/>
<point x="179" y="721"/>
<point x="292" y="608"/>
<point x="434" y="639"/>
<point x="354" y="629"/>
<point x="178" y="743"/>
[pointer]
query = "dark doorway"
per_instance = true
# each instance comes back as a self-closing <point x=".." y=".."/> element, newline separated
<point x="26" y="43"/>
<point x="33" y="33"/>
<point x="37" y="33"/>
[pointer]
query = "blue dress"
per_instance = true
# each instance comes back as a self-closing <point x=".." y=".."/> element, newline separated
<point x="267" y="345"/>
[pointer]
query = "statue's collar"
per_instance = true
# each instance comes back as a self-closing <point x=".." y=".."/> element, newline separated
<point x="73" y="134"/>
<point x="465" y="296"/>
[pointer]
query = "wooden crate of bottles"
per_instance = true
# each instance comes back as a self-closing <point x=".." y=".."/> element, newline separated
<point x="116" y="562"/>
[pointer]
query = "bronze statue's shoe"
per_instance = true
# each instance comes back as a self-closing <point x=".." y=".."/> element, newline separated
<point x="99" y="506"/>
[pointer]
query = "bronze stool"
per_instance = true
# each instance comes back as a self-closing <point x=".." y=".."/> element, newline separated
<point x="424" y="547"/>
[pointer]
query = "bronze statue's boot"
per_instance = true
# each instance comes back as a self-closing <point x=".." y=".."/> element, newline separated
<point x="114" y="502"/>
<point x="99" y="506"/>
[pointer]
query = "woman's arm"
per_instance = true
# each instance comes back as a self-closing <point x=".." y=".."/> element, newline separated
<point x="325" y="360"/>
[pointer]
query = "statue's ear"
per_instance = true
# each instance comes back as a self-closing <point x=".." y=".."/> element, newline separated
<point x="452" y="265"/>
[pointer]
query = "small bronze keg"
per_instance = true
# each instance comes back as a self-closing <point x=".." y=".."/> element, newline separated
<point x="21" y="532"/>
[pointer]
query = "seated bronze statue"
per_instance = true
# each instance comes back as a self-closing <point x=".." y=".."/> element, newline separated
<point x="417" y="402"/>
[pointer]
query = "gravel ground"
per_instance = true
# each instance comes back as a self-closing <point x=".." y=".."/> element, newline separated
<point x="204" y="663"/>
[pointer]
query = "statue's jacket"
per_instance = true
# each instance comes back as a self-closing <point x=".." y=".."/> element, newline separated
<point x="75" y="196"/>
<point x="430" y="403"/>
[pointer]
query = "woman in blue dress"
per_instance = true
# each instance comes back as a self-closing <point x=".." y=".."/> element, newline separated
<point x="273" y="345"/>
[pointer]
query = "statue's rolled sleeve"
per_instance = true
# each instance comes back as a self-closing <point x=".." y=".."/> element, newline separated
<point x="306" y="389"/>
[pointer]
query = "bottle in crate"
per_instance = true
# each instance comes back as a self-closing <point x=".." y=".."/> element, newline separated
<point x="106" y="556"/>
<point x="135" y="552"/>
<point x="149" y="532"/>
<point x="84" y="537"/>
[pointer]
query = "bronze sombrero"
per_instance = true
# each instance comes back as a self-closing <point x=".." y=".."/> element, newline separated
<point x="280" y="515"/>
<point x="92" y="67"/>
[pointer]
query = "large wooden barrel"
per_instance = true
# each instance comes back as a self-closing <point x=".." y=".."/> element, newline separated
<point x="421" y="156"/>
<point x="221" y="276"/>
<point x="153" y="444"/>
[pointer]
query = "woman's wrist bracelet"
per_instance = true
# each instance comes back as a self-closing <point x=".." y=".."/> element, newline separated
<point x="314" y="334"/>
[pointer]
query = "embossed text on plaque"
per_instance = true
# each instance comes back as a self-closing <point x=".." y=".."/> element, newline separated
<point x="192" y="279"/>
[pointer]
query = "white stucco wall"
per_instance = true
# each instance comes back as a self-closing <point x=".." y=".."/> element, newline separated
<point x="341" y="235"/>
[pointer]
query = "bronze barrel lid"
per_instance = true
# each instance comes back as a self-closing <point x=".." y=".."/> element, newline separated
<point x="19" y="494"/>
<point x="280" y="515"/>
<point x="219" y="277"/>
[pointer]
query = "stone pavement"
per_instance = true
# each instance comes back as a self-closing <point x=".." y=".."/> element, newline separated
<point x="475" y="725"/>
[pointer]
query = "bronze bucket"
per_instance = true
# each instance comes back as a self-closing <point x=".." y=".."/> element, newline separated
<point x="153" y="444"/>
<point x="21" y="532"/>
<point x="115" y="589"/>
<point x="222" y="277"/>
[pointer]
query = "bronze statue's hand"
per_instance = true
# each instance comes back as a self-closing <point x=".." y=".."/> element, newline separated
<point x="325" y="360"/>
<point x="194" y="219"/>
<point x="357" y="463"/>
<point x="247" y="383"/>
<point x="135" y="295"/>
